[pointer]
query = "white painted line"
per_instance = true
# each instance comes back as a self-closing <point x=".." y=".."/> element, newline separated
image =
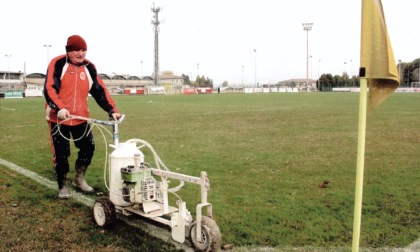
<point x="22" y="126"/>
<point x="7" y="108"/>
<point x="158" y="232"/>
<point x="48" y="183"/>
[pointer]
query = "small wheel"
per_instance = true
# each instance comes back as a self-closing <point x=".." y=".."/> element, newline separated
<point x="104" y="212"/>
<point x="211" y="238"/>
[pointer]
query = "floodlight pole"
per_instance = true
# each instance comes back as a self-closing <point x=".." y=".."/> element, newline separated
<point x="307" y="27"/>
<point x="48" y="53"/>
<point x="310" y="56"/>
<point x="156" y="23"/>
<point x="319" y="75"/>
<point x="8" y="66"/>
<point x="198" y="75"/>
<point x="345" y="72"/>
<point x="351" y="73"/>
<point x="255" y="70"/>
<point x="242" y="76"/>
<point x="399" y="70"/>
<point x="141" y="68"/>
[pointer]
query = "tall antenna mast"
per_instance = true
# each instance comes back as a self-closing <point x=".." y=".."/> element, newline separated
<point x="156" y="23"/>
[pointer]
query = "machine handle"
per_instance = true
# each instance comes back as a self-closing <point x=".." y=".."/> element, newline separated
<point x="109" y="123"/>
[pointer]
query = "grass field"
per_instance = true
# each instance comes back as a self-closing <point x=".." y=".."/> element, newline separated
<point x="265" y="154"/>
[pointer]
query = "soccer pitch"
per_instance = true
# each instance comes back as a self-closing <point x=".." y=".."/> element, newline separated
<point x="267" y="157"/>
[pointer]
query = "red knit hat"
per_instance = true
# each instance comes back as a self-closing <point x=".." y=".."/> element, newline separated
<point x="75" y="43"/>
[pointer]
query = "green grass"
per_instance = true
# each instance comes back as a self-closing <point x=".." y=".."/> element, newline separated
<point x="34" y="220"/>
<point x="266" y="155"/>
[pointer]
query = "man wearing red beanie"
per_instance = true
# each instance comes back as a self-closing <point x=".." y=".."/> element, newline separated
<point x="70" y="79"/>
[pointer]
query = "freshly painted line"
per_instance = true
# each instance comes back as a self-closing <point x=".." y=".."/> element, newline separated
<point x="7" y="108"/>
<point x="153" y="230"/>
<point x="22" y="126"/>
<point x="48" y="183"/>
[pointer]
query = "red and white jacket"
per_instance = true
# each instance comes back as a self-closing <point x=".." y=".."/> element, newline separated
<point x="67" y="86"/>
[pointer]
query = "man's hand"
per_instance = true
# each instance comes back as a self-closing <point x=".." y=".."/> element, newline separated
<point x="115" y="116"/>
<point x="63" y="114"/>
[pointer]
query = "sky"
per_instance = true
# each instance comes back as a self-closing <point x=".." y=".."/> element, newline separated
<point x="238" y="42"/>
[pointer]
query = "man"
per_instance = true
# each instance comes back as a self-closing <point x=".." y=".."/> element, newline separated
<point x="70" y="78"/>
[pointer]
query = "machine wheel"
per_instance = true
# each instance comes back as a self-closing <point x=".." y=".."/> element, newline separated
<point x="104" y="212"/>
<point x="211" y="239"/>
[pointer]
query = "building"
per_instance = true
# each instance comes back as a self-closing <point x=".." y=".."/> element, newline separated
<point x="11" y="81"/>
<point x="300" y="84"/>
<point x="33" y="84"/>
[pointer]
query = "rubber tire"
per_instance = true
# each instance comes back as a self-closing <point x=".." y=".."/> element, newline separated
<point x="211" y="238"/>
<point x="103" y="212"/>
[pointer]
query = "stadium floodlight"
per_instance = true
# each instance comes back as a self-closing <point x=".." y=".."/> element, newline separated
<point x="307" y="27"/>
<point x="8" y="66"/>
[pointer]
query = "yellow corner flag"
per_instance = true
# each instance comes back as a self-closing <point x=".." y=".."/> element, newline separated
<point x="376" y="54"/>
<point x="378" y="71"/>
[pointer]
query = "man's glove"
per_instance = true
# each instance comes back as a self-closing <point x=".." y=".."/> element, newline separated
<point x="63" y="114"/>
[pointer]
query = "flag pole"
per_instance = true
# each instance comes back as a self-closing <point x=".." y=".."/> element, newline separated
<point x="360" y="161"/>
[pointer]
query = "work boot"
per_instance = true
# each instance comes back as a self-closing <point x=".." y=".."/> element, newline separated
<point x="63" y="192"/>
<point x="79" y="180"/>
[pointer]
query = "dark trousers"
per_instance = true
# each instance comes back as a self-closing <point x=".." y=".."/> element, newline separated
<point x="83" y="140"/>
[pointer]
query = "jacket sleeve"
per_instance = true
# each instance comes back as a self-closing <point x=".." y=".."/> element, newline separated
<point x="53" y="83"/>
<point x="100" y="93"/>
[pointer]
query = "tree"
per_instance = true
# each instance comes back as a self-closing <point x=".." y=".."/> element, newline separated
<point x="354" y="81"/>
<point x="410" y="72"/>
<point x="415" y="72"/>
<point x="187" y="80"/>
<point x="202" y="81"/>
<point x="338" y="80"/>
<point x="325" y="82"/>
<point x="345" y="79"/>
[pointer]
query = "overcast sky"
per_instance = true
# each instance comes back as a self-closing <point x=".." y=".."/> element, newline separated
<point x="213" y="38"/>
